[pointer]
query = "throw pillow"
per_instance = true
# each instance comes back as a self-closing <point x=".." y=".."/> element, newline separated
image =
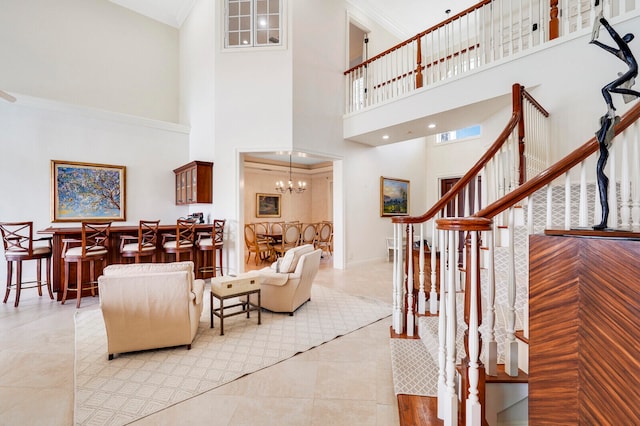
<point x="291" y="257"/>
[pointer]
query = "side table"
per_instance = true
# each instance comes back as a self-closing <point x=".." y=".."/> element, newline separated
<point x="223" y="288"/>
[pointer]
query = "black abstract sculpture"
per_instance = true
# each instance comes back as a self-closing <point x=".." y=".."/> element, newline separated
<point x="621" y="85"/>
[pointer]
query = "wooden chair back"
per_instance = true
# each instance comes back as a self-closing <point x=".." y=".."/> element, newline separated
<point x="17" y="238"/>
<point x="185" y="232"/>
<point x="218" y="232"/>
<point x="147" y="234"/>
<point x="95" y="237"/>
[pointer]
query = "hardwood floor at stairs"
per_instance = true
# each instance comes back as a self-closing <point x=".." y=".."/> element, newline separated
<point x="418" y="410"/>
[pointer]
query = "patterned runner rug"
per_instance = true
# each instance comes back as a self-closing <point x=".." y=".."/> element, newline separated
<point x="137" y="384"/>
<point x="414" y="372"/>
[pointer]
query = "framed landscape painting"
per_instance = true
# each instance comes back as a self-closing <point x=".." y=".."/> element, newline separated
<point x="267" y="205"/>
<point x="87" y="191"/>
<point x="394" y="197"/>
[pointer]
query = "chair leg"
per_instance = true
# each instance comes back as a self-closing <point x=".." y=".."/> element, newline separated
<point x="92" y="277"/>
<point x="9" y="276"/>
<point x="39" y="276"/>
<point x="220" y="262"/>
<point x="66" y="283"/>
<point x="18" y="282"/>
<point x="48" y="274"/>
<point x="79" y="284"/>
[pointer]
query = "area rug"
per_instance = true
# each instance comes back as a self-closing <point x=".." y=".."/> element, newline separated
<point x="414" y="371"/>
<point x="137" y="384"/>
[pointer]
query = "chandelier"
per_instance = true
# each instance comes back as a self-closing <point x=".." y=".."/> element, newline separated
<point x="282" y="188"/>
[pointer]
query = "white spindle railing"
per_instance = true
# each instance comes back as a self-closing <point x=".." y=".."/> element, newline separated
<point x="489" y="31"/>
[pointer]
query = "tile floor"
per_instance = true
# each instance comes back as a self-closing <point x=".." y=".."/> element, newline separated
<point x="347" y="381"/>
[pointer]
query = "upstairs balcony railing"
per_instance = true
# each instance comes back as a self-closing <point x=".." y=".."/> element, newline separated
<point x="485" y="33"/>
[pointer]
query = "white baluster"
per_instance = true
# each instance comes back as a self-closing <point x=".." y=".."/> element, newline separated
<point x="549" y="220"/>
<point x="473" y="409"/>
<point x="422" y="297"/>
<point x="442" y="328"/>
<point x="625" y="184"/>
<point x="583" y="197"/>
<point x="635" y="192"/>
<point x="511" y="345"/>
<point x="451" y="416"/>
<point x="398" y="306"/>
<point x="433" y="295"/>
<point x="491" y="368"/>
<point x="567" y="201"/>
<point x="411" y="319"/>
<point x="612" y="194"/>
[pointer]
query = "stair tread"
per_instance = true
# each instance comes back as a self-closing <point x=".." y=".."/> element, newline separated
<point x="503" y="377"/>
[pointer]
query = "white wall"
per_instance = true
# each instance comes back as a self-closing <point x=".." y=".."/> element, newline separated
<point x="35" y="131"/>
<point x="197" y="65"/>
<point x="92" y="53"/>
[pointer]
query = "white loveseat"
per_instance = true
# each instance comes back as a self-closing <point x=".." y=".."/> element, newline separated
<point x="150" y="305"/>
<point x="286" y="285"/>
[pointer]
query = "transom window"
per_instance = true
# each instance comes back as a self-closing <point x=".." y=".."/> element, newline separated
<point x="456" y="135"/>
<point x="251" y="23"/>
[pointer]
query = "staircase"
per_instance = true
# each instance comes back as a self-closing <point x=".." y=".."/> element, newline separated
<point x="483" y="296"/>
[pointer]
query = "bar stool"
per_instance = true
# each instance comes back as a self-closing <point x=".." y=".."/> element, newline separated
<point x="180" y="242"/>
<point x="93" y="246"/>
<point x="213" y="244"/>
<point x="144" y="245"/>
<point x="18" y="241"/>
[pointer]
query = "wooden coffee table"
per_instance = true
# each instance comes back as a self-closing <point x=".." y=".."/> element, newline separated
<point x="224" y="288"/>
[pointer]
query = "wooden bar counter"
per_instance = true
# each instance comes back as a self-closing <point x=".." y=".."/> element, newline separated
<point x="59" y="234"/>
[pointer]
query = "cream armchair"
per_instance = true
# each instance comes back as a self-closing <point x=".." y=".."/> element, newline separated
<point x="286" y="285"/>
<point x="150" y="305"/>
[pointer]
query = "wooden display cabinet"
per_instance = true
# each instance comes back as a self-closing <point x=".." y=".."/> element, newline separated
<point x="194" y="183"/>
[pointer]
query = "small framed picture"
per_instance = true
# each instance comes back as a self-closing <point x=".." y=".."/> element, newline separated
<point x="87" y="191"/>
<point x="267" y="205"/>
<point x="394" y="197"/>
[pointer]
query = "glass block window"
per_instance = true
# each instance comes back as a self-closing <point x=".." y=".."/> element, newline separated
<point x="252" y="23"/>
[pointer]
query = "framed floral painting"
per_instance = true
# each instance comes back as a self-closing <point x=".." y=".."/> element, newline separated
<point x="87" y="191"/>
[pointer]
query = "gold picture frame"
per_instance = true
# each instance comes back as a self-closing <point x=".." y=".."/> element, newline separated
<point x="268" y="205"/>
<point x="394" y="197"/>
<point x="87" y="191"/>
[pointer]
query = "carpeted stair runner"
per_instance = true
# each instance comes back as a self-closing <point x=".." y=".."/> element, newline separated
<point x="414" y="371"/>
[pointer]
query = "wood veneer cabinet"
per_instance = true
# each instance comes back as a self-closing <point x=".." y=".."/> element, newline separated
<point x="194" y="183"/>
<point x="584" y="329"/>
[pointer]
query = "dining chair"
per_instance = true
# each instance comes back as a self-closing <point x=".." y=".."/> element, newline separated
<point x="262" y="250"/>
<point x="92" y="247"/>
<point x="18" y="242"/>
<point x="144" y="245"/>
<point x="276" y="228"/>
<point x="212" y="242"/>
<point x="309" y="234"/>
<point x="290" y="238"/>
<point x="325" y="237"/>
<point x="183" y="241"/>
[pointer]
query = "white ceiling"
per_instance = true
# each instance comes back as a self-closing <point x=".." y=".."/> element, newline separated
<point x="404" y="18"/>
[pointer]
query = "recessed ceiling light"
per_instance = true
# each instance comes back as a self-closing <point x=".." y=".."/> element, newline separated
<point x="385" y="137"/>
<point x="432" y="126"/>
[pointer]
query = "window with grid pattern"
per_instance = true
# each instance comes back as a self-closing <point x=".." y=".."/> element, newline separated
<point x="251" y="23"/>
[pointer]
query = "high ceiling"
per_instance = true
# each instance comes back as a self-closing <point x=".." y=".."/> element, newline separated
<point x="404" y="18"/>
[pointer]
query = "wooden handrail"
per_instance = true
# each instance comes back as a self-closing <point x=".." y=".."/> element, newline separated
<point x="558" y="169"/>
<point x="473" y="172"/>
<point x="419" y="35"/>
